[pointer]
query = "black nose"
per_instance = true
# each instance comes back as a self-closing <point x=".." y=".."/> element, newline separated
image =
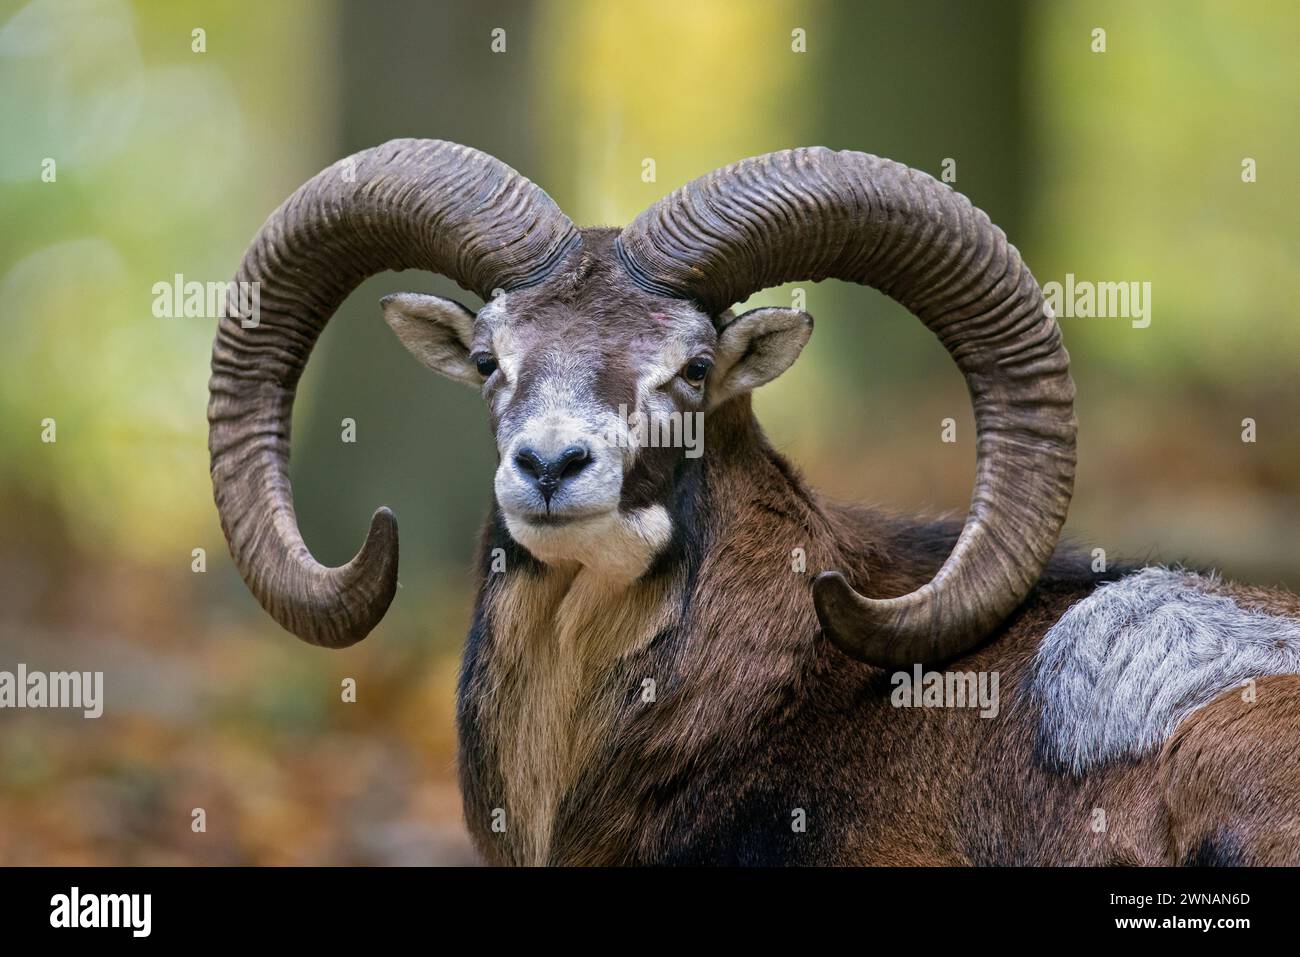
<point x="547" y="475"/>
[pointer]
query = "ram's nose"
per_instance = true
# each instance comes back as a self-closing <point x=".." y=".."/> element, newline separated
<point x="548" y="474"/>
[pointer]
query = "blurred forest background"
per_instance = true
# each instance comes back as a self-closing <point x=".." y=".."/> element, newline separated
<point x="1117" y="166"/>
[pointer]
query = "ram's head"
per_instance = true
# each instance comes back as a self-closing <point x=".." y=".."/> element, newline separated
<point x="597" y="390"/>
<point x="589" y="336"/>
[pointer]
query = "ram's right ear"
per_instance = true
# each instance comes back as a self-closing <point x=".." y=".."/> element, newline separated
<point x="436" y="331"/>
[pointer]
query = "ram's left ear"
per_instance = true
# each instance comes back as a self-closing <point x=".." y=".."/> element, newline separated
<point x="755" y="348"/>
<point x="436" y="331"/>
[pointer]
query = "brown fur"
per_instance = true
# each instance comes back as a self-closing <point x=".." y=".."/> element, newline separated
<point x="1229" y="774"/>
<point x="755" y="710"/>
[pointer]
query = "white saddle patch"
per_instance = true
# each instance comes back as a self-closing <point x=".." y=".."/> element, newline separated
<point x="1121" y="668"/>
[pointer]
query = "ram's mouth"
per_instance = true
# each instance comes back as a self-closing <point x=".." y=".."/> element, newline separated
<point x="560" y="518"/>
<point x="551" y="520"/>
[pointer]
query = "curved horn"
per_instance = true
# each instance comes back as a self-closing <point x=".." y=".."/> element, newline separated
<point x="813" y="214"/>
<point x="406" y="204"/>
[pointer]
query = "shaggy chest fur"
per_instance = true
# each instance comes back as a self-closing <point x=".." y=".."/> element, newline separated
<point x="561" y="670"/>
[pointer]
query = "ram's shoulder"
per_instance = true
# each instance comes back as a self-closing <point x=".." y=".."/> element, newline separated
<point x="1116" y="673"/>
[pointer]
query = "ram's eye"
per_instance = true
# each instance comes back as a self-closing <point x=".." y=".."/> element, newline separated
<point x="696" y="370"/>
<point x="486" y="363"/>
